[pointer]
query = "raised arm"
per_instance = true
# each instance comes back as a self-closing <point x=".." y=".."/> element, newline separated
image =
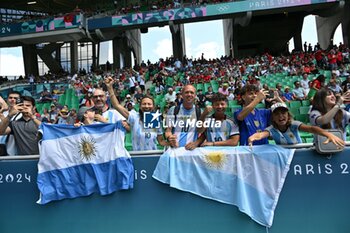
<point x="250" y="107"/>
<point x="208" y="109"/>
<point x="5" y="121"/>
<point x="277" y="97"/>
<point x="115" y="103"/>
<point x="4" y="105"/>
<point x="326" y="118"/>
<point x="317" y="130"/>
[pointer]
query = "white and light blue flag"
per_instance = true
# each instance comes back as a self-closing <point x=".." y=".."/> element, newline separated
<point x="251" y="180"/>
<point x="79" y="161"/>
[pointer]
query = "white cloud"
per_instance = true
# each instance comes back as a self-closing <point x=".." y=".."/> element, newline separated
<point x="11" y="65"/>
<point x="164" y="48"/>
<point x="188" y="45"/>
<point x="210" y="49"/>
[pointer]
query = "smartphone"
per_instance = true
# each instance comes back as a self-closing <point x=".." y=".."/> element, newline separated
<point x="19" y="100"/>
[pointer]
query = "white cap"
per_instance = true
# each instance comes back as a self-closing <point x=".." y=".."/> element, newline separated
<point x="278" y="105"/>
<point x="128" y="96"/>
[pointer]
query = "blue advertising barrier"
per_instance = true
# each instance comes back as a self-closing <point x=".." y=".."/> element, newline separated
<point x="315" y="198"/>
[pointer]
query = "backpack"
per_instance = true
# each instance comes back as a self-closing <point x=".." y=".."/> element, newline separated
<point x="177" y="109"/>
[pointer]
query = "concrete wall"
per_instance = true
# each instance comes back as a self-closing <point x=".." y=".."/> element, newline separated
<point x="178" y="39"/>
<point x="262" y="33"/>
<point x="327" y="22"/>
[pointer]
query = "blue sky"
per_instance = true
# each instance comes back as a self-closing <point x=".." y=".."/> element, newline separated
<point x="203" y="37"/>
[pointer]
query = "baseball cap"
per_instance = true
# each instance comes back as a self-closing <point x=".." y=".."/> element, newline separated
<point x="82" y="111"/>
<point x="128" y="96"/>
<point x="278" y="105"/>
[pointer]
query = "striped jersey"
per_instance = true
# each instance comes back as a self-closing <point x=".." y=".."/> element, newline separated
<point x="216" y="134"/>
<point x="314" y="114"/>
<point x="289" y="137"/>
<point x="142" y="138"/>
<point x="182" y="128"/>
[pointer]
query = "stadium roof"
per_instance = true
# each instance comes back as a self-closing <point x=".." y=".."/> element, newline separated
<point x="52" y="6"/>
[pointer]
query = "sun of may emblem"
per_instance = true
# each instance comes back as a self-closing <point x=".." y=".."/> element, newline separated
<point x="87" y="148"/>
<point x="215" y="159"/>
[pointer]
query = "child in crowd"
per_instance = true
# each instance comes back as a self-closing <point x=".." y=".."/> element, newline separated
<point x="327" y="113"/>
<point x="226" y="133"/>
<point x="285" y="131"/>
<point x="251" y="119"/>
<point x="87" y="116"/>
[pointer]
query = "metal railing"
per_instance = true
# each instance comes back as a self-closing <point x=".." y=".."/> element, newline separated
<point x="159" y="152"/>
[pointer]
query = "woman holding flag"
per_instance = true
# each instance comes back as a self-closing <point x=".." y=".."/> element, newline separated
<point x="142" y="138"/>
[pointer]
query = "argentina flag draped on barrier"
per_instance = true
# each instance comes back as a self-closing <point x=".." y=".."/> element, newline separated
<point x="251" y="180"/>
<point x="79" y="161"/>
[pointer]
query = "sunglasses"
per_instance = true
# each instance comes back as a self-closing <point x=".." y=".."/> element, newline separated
<point x="98" y="96"/>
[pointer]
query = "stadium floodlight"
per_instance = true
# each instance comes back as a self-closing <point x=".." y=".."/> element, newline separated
<point x="31" y="3"/>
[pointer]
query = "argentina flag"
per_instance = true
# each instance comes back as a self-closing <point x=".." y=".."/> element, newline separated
<point x="251" y="180"/>
<point x="79" y="161"/>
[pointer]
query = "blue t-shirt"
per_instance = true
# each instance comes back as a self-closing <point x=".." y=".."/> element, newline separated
<point x="288" y="96"/>
<point x="253" y="123"/>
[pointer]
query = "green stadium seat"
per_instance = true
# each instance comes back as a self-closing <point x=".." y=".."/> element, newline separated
<point x="294" y="111"/>
<point x="309" y="140"/>
<point x="305" y="135"/>
<point x="305" y="103"/>
<point x="39" y="107"/>
<point x="200" y="86"/>
<point x="232" y="103"/>
<point x="215" y="87"/>
<point x="272" y="142"/>
<point x="304" y="110"/>
<point x="147" y="76"/>
<point x="47" y="106"/>
<point x="160" y="147"/>
<point x="170" y="81"/>
<point x="124" y="93"/>
<point x="295" y="104"/>
<point x="62" y="99"/>
<point x="206" y="86"/>
<point x="303" y="118"/>
<point x="128" y="141"/>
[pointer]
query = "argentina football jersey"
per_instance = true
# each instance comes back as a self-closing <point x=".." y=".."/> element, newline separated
<point x="216" y="134"/>
<point x="184" y="126"/>
<point x="142" y="138"/>
<point x="289" y="137"/>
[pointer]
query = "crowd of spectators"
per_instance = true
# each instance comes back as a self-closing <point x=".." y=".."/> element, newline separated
<point x="192" y="86"/>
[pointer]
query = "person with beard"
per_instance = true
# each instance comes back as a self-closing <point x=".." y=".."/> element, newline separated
<point x="142" y="138"/>
<point x="24" y="129"/>
<point x="102" y="110"/>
